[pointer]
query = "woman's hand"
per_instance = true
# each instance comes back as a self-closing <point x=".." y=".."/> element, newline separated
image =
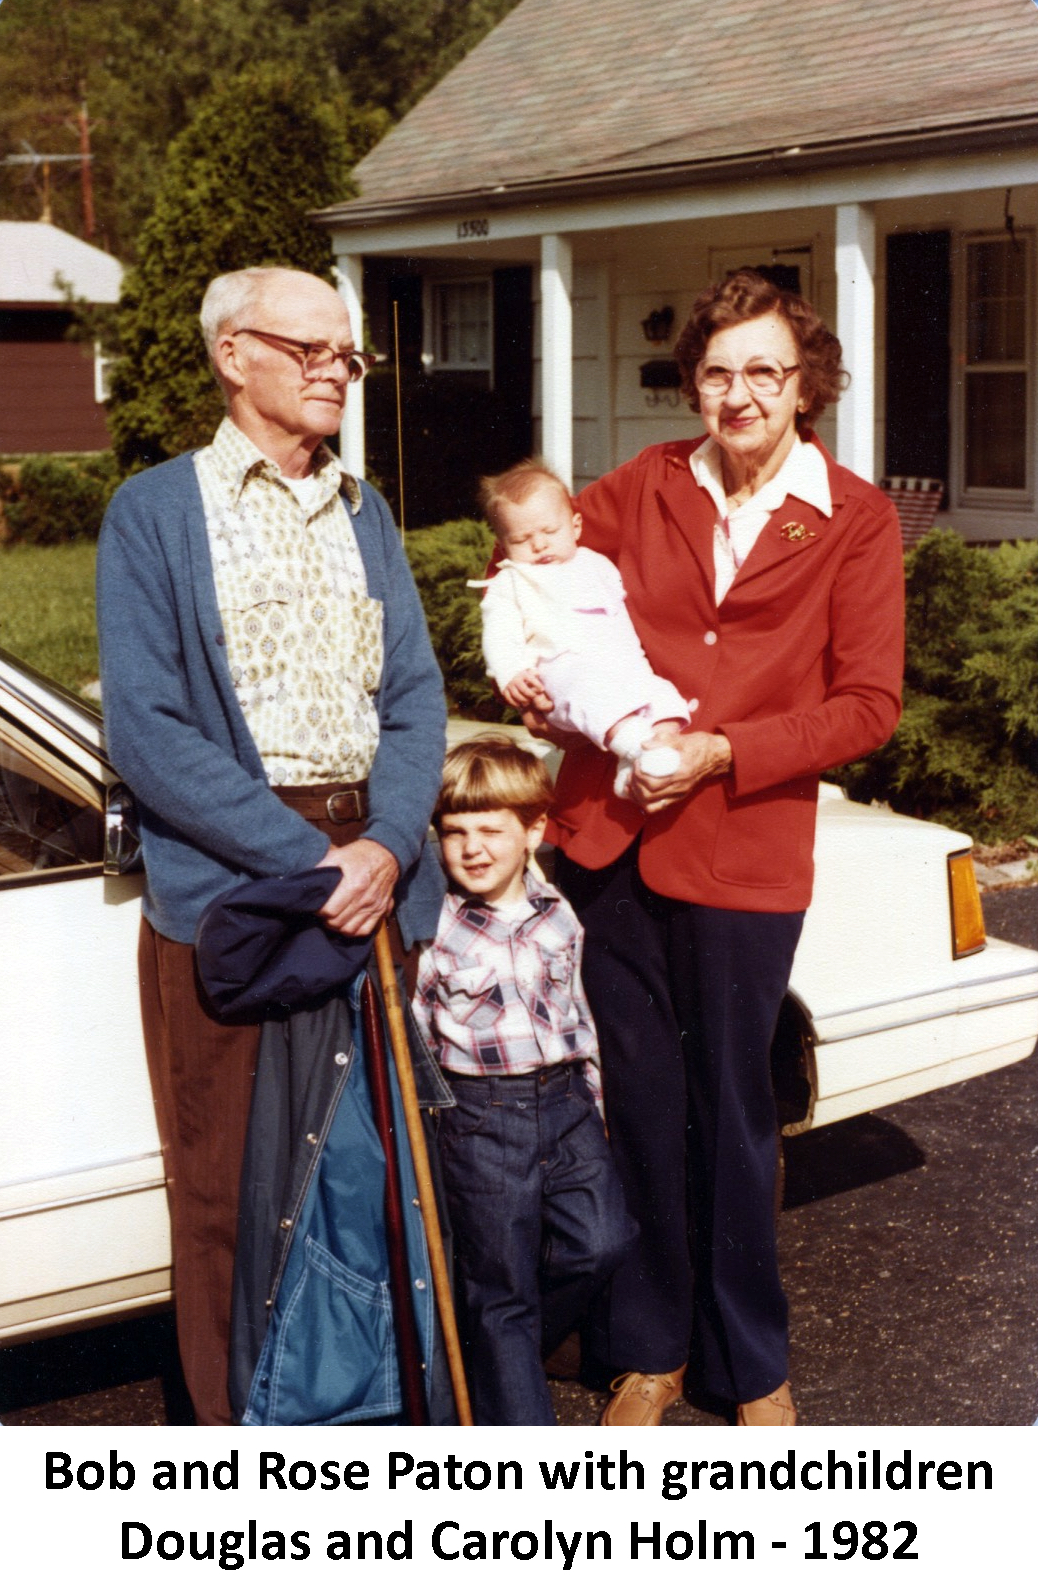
<point x="703" y="755"/>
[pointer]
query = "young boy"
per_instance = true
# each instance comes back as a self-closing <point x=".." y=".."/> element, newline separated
<point x="555" y="628"/>
<point x="535" y="1203"/>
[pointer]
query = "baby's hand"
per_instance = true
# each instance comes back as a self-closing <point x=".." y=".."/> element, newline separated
<point x="525" y="690"/>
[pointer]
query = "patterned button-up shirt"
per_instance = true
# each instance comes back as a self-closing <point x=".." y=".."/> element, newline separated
<point x="304" y="639"/>
<point x="501" y="998"/>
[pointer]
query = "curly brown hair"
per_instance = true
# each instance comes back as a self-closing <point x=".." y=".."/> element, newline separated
<point x="744" y="295"/>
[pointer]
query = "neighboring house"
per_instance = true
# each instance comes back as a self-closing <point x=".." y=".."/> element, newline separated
<point x="51" y="388"/>
<point x="592" y="164"/>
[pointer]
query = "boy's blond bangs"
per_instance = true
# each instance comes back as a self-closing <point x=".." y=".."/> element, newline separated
<point x="490" y="771"/>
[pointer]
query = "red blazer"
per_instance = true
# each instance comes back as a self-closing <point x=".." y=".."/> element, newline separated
<point x="800" y="666"/>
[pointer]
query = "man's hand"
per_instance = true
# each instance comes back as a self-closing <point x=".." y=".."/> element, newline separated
<point x="703" y="755"/>
<point x="364" y="895"/>
<point x="526" y="690"/>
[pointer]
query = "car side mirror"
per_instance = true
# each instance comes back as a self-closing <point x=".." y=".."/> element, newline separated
<point x="122" y="852"/>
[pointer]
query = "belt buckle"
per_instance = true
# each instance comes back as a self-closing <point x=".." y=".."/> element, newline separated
<point x="344" y="806"/>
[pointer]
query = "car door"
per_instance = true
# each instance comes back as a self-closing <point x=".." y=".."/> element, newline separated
<point x="83" y="1217"/>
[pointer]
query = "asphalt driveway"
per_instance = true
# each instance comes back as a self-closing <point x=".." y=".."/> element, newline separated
<point x="909" y="1245"/>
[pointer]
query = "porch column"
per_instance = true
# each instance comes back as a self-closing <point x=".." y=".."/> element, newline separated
<point x="856" y="330"/>
<point x="557" y="354"/>
<point x="349" y="280"/>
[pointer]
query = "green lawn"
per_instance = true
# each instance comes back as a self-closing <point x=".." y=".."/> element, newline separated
<point x="47" y="609"/>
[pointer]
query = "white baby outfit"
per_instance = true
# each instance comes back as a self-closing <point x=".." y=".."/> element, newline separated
<point x="569" y="620"/>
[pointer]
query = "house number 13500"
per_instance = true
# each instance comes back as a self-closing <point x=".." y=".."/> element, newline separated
<point x="470" y="227"/>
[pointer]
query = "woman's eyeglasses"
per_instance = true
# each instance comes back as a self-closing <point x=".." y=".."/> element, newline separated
<point x="760" y="377"/>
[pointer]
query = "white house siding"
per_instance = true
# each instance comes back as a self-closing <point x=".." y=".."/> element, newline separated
<point x="668" y="266"/>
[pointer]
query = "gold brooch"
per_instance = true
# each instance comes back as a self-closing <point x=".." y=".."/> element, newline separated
<point x="795" y="532"/>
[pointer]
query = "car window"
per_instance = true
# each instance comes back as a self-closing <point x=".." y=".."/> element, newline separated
<point x="46" y="825"/>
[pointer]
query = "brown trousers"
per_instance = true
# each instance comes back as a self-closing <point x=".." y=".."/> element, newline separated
<point x="201" y="1082"/>
<point x="201" y="1079"/>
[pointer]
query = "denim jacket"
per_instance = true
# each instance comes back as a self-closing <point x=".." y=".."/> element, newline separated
<point x="312" y="1337"/>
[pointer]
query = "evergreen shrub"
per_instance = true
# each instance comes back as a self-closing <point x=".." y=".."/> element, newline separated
<point x="966" y="751"/>
<point x="50" y="499"/>
<point x="236" y="190"/>
<point x="442" y="558"/>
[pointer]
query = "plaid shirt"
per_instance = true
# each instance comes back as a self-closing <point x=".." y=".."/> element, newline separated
<point x="499" y="999"/>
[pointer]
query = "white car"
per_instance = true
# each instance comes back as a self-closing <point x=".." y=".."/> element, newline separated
<point x="895" y="991"/>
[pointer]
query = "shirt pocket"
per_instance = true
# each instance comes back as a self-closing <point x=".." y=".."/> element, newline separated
<point x="261" y="633"/>
<point x="474" y="997"/>
<point x="260" y="585"/>
<point x="559" y="969"/>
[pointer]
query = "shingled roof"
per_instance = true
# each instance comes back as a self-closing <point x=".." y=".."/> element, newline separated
<point x="571" y="90"/>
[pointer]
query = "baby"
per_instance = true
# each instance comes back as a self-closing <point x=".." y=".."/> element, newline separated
<point x="556" y="631"/>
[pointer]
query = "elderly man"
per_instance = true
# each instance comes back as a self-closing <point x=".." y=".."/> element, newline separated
<point x="270" y="693"/>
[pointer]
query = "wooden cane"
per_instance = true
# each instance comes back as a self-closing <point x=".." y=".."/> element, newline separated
<point x="423" y="1176"/>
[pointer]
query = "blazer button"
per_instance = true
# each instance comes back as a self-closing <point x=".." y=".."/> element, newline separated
<point x="710" y="637"/>
<point x="693" y="704"/>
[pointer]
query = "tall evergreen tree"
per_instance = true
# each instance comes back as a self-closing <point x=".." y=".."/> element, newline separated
<point x="144" y="67"/>
<point x="141" y="67"/>
<point x="235" y="192"/>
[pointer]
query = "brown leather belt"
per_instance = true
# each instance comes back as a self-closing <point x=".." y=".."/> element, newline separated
<point x="341" y="811"/>
<point x="339" y="802"/>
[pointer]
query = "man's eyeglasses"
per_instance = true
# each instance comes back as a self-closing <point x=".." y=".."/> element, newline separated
<point x="760" y="377"/>
<point x="316" y="360"/>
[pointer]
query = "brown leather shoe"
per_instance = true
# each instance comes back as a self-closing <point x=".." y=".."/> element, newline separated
<point x="774" y="1410"/>
<point x="640" y="1399"/>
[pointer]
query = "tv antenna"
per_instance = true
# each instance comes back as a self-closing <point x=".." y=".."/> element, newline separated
<point x="43" y="161"/>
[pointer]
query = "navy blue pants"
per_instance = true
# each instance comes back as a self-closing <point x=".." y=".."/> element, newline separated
<point x="686" y="999"/>
<point x="539" y="1224"/>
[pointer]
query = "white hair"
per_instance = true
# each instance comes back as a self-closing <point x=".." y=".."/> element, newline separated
<point x="232" y="297"/>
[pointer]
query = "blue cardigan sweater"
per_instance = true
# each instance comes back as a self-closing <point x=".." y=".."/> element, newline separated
<point x="177" y="736"/>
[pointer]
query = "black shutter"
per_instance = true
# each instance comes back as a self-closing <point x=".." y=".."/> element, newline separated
<point x="918" y="354"/>
<point x="513" y="362"/>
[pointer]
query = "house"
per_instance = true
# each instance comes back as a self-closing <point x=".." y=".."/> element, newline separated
<point x="51" y="393"/>
<point x="543" y="219"/>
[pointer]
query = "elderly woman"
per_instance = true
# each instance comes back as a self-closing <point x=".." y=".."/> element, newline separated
<point x="765" y="581"/>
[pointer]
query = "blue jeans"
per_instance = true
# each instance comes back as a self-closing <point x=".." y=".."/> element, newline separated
<point x="539" y="1225"/>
